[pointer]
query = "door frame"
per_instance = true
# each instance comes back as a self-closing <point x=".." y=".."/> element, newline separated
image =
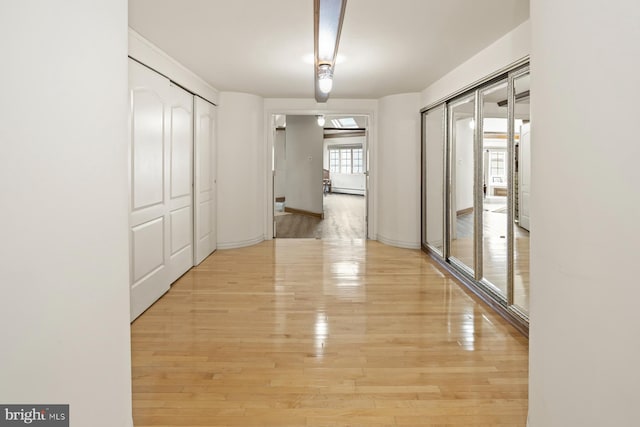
<point x="369" y="160"/>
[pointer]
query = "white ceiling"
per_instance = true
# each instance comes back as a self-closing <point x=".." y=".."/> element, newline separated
<point x="259" y="46"/>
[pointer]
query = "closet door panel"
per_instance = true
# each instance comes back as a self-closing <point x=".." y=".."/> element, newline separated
<point x="148" y="248"/>
<point x="181" y="144"/>
<point x="180" y="230"/>
<point x="147" y="148"/>
<point x="180" y="172"/>
<point x="495" y="184"/>
<point x="205" y="180"/>
<point x="463" y="209"/>
<point x="160" y="173"/>
<point x="148" y="205"/>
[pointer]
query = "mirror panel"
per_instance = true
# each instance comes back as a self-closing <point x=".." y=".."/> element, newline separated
<point x="433" y="161"/>
<point x="495" y="182"/>
<point x="462" y="203"/>
<point x="522" y="189"/>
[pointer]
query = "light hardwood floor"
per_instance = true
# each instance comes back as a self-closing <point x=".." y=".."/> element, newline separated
<point x="344" y="219"/>
<point x="495" y="254"/>
<point x="305" y="332"/>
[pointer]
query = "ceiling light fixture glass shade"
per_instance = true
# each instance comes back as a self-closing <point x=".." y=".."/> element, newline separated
<point x="325" y="78"/>
<point x="328" y="18"/>
<point x="320" y="119"/>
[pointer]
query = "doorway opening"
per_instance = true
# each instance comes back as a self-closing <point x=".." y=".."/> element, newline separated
<point x="320" y="176"/>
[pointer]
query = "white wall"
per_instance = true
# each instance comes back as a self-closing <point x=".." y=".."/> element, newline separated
<point x="63" y="184"/>
<point x="347" y="183"/>
<point x="585" y="204"/>
<point x="398" y="165"/>
<point x="340" y="182"/>
<point x="510" y="48"/>
<point x="241" y="170"/>
<point x="304" y="164"/>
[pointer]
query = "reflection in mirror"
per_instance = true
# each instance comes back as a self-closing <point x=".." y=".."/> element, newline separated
<point x="495" y="185"/>
<point x="434" y="177"/>
<point x="461" y="131"/>
<point x="522" y="187"/>
<point x="279" y="164"/>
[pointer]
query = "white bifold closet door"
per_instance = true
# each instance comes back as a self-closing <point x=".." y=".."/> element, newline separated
<point x="161" y="179"/>
<point x="205" y="179"/>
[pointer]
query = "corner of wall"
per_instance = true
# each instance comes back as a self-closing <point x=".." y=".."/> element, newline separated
<point x="398" y="243"/>
<point x="240" y="243"/>
<point x="398" y="165"/>
<point x="241" y="170"/>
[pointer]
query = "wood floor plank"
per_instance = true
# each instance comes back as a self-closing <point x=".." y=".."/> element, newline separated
<point x="308" y="332"/>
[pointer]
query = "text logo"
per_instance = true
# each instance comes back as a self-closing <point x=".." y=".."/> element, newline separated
<point x="34" y="415"/>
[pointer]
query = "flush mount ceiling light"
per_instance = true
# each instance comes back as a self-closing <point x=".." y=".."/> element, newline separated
<point x="328" y="17"/>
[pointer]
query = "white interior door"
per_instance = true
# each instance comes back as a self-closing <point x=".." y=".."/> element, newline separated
<point x="180" y="178"/>
<point x="205" y="179"/>
<point x="524" y="175"/>
<point x="160" y="173"/>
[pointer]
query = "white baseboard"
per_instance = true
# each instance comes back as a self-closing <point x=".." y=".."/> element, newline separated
<point x="241" y="243"/>
<point x="355" y="191"/>
<point x="398" y="243"/>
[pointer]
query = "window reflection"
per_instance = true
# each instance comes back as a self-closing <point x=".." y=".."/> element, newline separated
<point x="321" y="333"/>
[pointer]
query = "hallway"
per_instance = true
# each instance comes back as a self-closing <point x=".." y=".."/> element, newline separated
<point x="305" y="332"/>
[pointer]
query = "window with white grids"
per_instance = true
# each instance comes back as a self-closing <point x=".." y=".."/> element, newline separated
<point x="356" y="160"/>
<point x="498" y="163"/>
<point x="334" y="161"/>
<point x="346" y="160"/>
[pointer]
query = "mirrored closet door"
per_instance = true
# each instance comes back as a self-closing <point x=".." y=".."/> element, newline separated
<point x="462" y="186"/>
<point x="522" y="189"/>
<point x="493" y="127"/>
<point x="476" y="169"/>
